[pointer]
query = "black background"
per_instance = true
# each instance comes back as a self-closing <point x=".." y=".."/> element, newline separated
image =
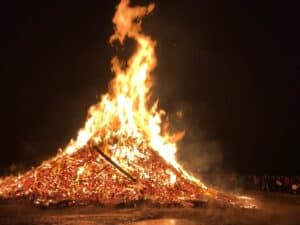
<point x="232" y="67"/>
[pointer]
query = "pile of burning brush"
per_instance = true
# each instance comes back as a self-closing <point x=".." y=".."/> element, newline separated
<point x="124" y="154"/>
<point x="90" y="176"/>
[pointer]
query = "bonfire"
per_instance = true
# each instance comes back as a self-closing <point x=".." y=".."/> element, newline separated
<point x="124" y="154"/>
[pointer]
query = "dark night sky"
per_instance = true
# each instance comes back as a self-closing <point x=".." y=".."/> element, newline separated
<point x="231" y="67"/>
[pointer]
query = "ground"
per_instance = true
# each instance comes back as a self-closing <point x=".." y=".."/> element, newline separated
<point x="274" y="208"/>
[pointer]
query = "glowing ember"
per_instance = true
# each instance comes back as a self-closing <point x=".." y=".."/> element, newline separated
<point x="121" y="154"/>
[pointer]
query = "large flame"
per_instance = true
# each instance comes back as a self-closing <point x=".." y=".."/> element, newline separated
<point x="125" y="110"/>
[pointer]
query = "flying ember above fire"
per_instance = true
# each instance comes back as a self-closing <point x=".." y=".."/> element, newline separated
<point x="124" y="153"/>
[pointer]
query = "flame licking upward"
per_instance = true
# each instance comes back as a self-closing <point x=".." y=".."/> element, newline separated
<point x="125" y="110"/>
<point x="123" y="131"/>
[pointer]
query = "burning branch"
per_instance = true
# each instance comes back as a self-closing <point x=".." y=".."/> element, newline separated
<point x="95" y="147"/>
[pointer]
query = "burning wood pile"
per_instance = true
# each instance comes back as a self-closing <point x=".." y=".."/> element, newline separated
<point x="91" y="176"/>
<point x="87" y="176"/>
<point x="124" y="154"/>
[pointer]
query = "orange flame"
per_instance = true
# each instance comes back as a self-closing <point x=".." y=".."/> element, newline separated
<point x="125" y="110"/>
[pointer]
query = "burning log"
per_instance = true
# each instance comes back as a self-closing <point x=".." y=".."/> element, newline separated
<point x="113" y="163"/>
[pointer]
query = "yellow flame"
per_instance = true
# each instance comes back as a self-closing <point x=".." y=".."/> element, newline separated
<point x="125" y="110"/>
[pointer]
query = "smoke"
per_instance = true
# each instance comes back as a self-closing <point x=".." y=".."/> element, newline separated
<point x="200" y="151"/>
<point x="202" y="156"/>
